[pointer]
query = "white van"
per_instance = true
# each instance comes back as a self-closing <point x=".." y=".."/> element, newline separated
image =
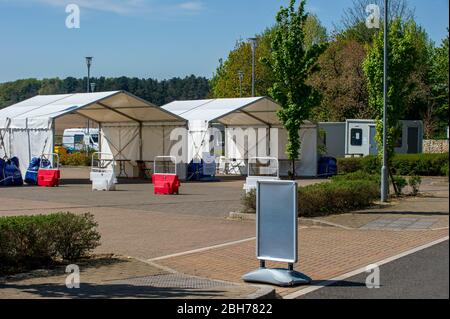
<point x="80" y="139"/>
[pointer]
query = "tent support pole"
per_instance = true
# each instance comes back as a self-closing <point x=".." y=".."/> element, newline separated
<point x="140" y="142"/>
<point x="100" y="134"/>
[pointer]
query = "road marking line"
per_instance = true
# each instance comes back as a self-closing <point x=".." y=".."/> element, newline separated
<point x="202" y="249"/>
<point x="321" y="285"/>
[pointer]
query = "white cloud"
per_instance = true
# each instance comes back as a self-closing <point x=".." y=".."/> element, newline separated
<point x="126" y="7"/>
<point x="192" y="6"/>
<point x="114" y="6"/>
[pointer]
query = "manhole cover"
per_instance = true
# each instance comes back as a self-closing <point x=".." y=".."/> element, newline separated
<point x="172" y="281"/>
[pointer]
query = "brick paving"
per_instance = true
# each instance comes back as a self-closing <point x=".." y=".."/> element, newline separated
<point x="324" y="253"/>
<point x="121" y="278"/>
<point x="134" y="222"/>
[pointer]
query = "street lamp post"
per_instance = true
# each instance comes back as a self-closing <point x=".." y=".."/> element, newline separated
<point x="241" y="78"/>
<point x="88" y="63"/>
<point x="384" y="169"/>
<point x="253" y="44"/>
<point x="88" y="85"/>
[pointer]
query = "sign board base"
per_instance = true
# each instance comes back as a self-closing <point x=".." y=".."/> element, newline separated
<point x="277" y="277"/>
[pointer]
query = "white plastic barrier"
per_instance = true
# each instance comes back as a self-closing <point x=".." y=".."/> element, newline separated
<point x="102" y="176"/>
<point x="252" y="180"/>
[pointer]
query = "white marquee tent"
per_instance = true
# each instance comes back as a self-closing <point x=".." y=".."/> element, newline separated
<point x="238" y="115"/>
<point x="132" y="129"/>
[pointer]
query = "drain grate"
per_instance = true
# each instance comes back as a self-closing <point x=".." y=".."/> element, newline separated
<point x="172" y="281"/>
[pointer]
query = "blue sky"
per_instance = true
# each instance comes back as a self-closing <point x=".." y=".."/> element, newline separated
<point x="150" y="38"/>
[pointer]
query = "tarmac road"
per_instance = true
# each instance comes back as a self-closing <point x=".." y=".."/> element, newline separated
<point x="422" y="275"/>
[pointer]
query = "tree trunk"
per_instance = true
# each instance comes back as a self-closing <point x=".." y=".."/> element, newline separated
<point x="293" y="170"/>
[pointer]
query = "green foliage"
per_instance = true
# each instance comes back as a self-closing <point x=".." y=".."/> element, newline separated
<point x="157" y="92"/>
<point x="400" y="182"/>
<point x="225" y="82"/>
<point x="342" y="83"/>
<point x="414" y="182"/>
<point x="439" y="79"/>
<point x="75" y="159"/>
<point x="402" y="164"/>
<point x="29" y="242"/>
<point x="248" y="201"/>
<point x="444" y="170"/>
<point x="402" y="58"/>
<point x="369" y="164"/>
<point x="292" y="63"/>
<point x="340" y="195"/>
<point x="337" y="196"/>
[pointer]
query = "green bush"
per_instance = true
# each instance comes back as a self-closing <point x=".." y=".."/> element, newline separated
<point x="75" y="159"/>
<point x="402" y="164"/>
<point x="444" y="170"/>
<point x="338" y="196"/>
<point x="342" y="194"/>
<point x="249" y="202"/>
<point x="29" y="242"/>
<point x="400" y="183"/>
<point x="415" y="182"/>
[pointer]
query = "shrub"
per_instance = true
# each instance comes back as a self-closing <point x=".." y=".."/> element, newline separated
<point x="336" y="197"/>
<point x="75" y="159"/>
<point x="340" y="195"/>
<point x="402" y="164"/>
<point x="400" y="183"/>
<point x="415" y="182"/>
<point x="29" y="242"/>
<point x="249" y="202"/>
<point x="444" y="170"/>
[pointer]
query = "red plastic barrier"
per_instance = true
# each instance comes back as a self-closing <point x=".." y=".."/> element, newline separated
<point x="48" y="177"/>
<point x="166" y="184"/>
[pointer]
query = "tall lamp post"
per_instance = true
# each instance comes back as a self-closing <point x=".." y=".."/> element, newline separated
<point x="88" y="63"/>
<point x="253" y="44"/>
<point x="241" y="78"/>
<point x="384" y="169"/>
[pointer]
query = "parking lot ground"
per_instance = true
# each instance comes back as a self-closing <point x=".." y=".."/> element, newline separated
<point x="192" y="235"/>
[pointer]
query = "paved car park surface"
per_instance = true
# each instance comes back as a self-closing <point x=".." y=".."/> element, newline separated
<point x="422" y="275"/>
<point x="192" y="235"/>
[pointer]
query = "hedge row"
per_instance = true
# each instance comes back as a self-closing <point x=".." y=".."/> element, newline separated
<point x="30" y="242"/>
<point x="75" y="159"/>
<point x="402" y="164"/>
<point x="341" y="194"/>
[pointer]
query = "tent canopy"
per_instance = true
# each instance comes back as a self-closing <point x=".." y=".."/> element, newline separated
<point x="101" y="107"/>
<point x="131" y="128"/>
<point x="236" y="111"/>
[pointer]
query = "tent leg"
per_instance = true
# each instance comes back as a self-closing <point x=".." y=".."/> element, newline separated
<point x="140" y="142"/>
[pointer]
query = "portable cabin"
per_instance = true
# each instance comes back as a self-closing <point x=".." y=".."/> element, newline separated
<point x="360" y="138"/>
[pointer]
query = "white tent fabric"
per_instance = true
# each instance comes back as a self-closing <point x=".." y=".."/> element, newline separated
<point x="244" y="118"/>
<point x="27" y="128"/>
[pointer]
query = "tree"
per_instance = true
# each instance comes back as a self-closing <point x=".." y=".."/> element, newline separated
<point x="342" y="83"/>
<point x="353" y="21"/>
<point x="157" y="92"/>
<point x="440" y="82"/>
<point x="225" y="82"/>
<point x="292" y="63"/>
<point x="402" y="61"/>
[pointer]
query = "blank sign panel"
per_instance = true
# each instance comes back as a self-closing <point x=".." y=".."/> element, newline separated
<point x="277" y="221"/>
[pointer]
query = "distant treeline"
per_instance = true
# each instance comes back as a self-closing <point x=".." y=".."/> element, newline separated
<point x="157" y="92"/>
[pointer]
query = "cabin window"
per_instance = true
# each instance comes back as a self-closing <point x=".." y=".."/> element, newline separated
<point x="94" y="138"/>
<point x="356" y="137"/>
<point x="78" y="139"/>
